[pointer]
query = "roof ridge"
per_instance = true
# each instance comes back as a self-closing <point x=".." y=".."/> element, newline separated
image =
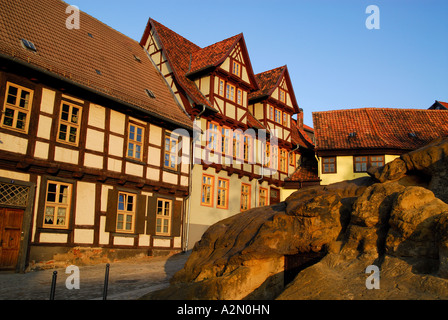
<point x="224" y="40"/>
<point x="273" y="69"/>
<point x="177" y="34"/>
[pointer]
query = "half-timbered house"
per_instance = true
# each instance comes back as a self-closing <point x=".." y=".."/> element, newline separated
<point x="349" y="142"/>
<point x="89" y="167"/>
<point x="246" y="149"/>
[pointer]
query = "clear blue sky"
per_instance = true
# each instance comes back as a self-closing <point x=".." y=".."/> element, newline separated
<point x="334" y="61"/>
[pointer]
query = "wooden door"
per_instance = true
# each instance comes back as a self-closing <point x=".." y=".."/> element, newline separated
<point x="10" y="234"/>
<point x="274" y="196"/>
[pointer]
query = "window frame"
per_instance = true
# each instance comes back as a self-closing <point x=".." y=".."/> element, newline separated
<point x="275" y="157"/>
<point x="286" y="119"/>
<point x="271" y="112"/>
<point x="266" y="197"/>
<point x="57" y="205"/>
<point x="16" y="108"/>
<point x="248" y="148"/>
<point x="173" y="138"/>
<point x="211" y="188"/>
<point x="126" y="213"/>
<point x="238" y="70"/>
<point x="282" y="95"/>
<point x="292" y="159"/>
<point x="230" y="92"/>
<point x="334" y="162"/>
<point x="226" y="138"/>
<point x="220" y="190"/>
<point x="278" y="116"/>
<point x="237" y="144"/>
<point x="245" y="196"/>
<point x="135" y="142"/>
<point x="221" y="87"/>
<point x="239" y="96"/>
<point x="164" y="218"/>
<point x="283" y="160"/>
<point x="69" y="124"/>
<point x="213" y="137"/>
<point x="267" y="155"/>
<point x="368" y="162"/>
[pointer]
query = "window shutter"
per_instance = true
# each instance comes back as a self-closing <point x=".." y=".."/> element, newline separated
<point x="176" y="219"/>
<point x="111" y="214"/>
<point x="152" y="210"/>
<point x="140" y="215"/>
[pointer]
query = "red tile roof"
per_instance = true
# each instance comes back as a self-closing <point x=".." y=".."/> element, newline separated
<point x="300" y="137"/>
<point x="267" y="82"/>
<point x="186" y="58"/>
<point x="445" y="104"/>
<point x="305" y="174"/>
<point x="213" y="55"/>
<point x="75" y="56"/>
<point x="378" y="128"/>
<point x="179" y="52"/>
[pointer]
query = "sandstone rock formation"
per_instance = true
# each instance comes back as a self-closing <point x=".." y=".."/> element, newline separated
<point x="396" y="219"/>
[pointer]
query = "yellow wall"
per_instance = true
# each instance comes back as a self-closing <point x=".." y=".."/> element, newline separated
<point x="345" y="170"/>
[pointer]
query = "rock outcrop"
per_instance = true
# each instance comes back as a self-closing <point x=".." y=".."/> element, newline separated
<point x="396" y="219"/>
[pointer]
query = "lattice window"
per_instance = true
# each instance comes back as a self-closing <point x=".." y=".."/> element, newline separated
<point x="13" y="195"/>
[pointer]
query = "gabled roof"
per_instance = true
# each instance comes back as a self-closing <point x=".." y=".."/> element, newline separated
<point x="187" y="59"/>
<point x="304" y="173"/>
<point x="95" y="57"/>
<point x="439" y="105"/>
<point x="268" y="81"/>
<point x="178" y="51"/>
<point x="213" y="55"/>
<point x="378" y="128"/>
<point x="300" y="137"/>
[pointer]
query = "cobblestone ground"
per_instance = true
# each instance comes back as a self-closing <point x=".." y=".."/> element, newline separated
<point x="128" y="280"/>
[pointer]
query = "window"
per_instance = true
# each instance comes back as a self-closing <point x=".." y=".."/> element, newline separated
<point x="282" y="95"/>
<point x="329" y="165"/>
<point x="283" y="160"/>
<point x="377" y="161"/>
<point x="17" y="108"/>
<point x="292" y="159"/>
<point x="267" y="155"/>
<point x="135" y="142"/>
<point x="230" y="92"/>
<point x="69" y="123"/>
<point x="126" y="212"/>
<point x="263" y="197"/>
<point x="236" y="69"/>
<point x="270" y="112"/>
<point x="245" y="197"/>
<point x="362" y="163"/>
<point x="171" y="151"/>
<point x="207" y="190"/>
<point x="247" y="149"/>
<point x="223" y="193"/>
<point x="239" y="98"/>
<point x="221" y="87"/>
<point x="163" y="217"/>
<point x="212" y="133"/>
<point x="226" y="138"/>
<point x="278" y="116"/>
<point x="57" y="205"/>
<point x="285" y="119"/>
<point x="237" y="144"/>
<point x="274" y="157"/>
